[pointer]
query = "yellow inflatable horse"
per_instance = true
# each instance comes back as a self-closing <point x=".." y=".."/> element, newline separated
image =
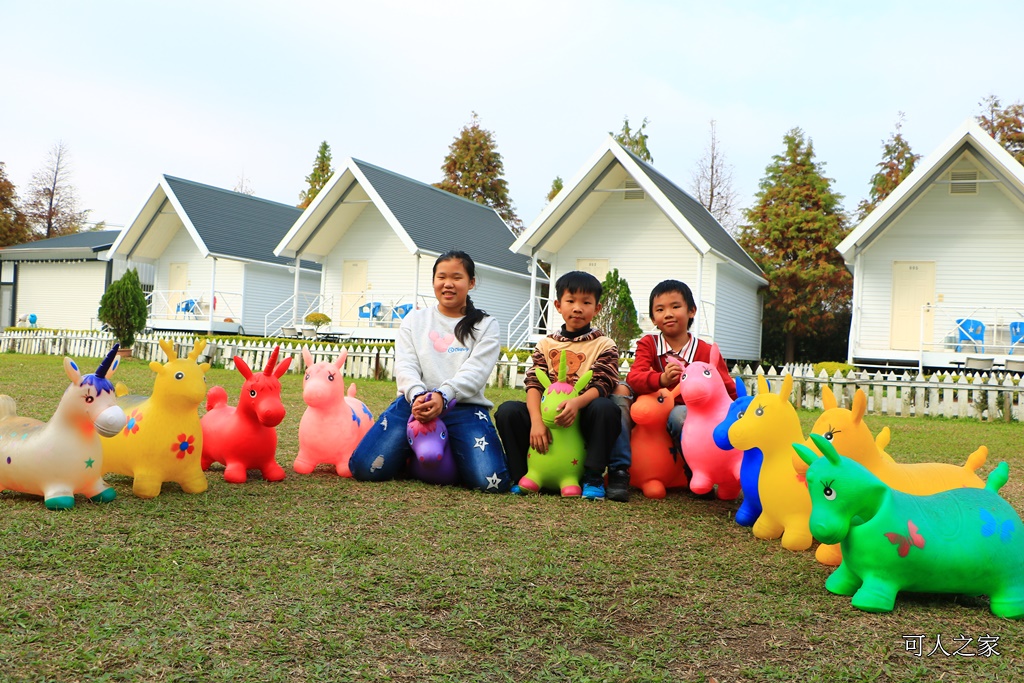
<point x="163" y="439"/>
<point x="846" y="430"/>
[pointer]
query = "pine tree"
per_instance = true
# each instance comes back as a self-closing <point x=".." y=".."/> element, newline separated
<point x="792" y="234"/>
<point x="318" y="177"/>
<point x="897" y="163"/>
<point x="634" y="140"/>
<point x="1005" y="125"/>
<point x="473" y="169"/>
<point x="13" y="223"/>
<point x="123" y="308"/>
<point x="617" y="318"/>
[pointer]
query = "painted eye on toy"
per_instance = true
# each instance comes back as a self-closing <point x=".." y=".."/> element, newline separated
<point x="661" y="399"/>
<point x="330" y="377"/>
<point x="444" y="435"/>
<point x="707" y="373"/>
<point x="307" y="375"/>
<point x="739" y="416"/>
<point x="89" y="399"/>
<point x="829" y="493"/>
<point x="682" y="378"/>
<point x="252" y="392"/>
<point x="760" y="411"/>
<point x="830" y="434"/>
<point x="410" y="440"/>
<point x="179" y="375"/>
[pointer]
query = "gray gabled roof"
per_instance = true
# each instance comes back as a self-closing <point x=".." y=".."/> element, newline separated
<point x="236" y="225"/>
<point x="700" y="218"/>
<point x="438" y="221"/>
<point x="95" y="240"/>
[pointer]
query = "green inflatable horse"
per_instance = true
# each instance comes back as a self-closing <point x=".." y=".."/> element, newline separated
<point x="965" y="540"/>
<point x="561" y="466"/>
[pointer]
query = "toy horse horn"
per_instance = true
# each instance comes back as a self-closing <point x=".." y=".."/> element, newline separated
<point x="562" y="367"/>
<point x="101" y="371"/>
<point x="197" y="349"/>
<point x="272" y="361"/>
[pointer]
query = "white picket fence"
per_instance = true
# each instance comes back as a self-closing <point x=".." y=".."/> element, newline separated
<point x="985" y="396"/>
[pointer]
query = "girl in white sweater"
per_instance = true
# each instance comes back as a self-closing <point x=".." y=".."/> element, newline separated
<point x="443" y="357"/>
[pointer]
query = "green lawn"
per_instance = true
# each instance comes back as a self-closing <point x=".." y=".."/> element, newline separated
<point x="319" y="578"/>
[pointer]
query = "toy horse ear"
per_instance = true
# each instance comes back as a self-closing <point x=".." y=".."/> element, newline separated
<point x="242" y="367"/>
<point x="542" y="377"/>
<point x="71" y="370"/>
<point x="283" y="367"/>
<point x="716" y="355"/>
<point x="583" y="381"/>
<point x="741" y="387"/>
<point x="805" y="453"/>
<point x="828" y="399"/>
<point x="762" y="384"/>
<point x="826" y="448"/>
<point x="342" y="357"/>
<point x="676" y="389"/>
<point x="860" y="405"/>
<point x="787" y="387"/>
<point x="168" y="348"/>
<point x="307" y="357"/>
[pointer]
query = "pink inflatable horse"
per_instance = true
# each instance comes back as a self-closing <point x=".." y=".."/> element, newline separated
<point x="334" y="421"/>
<point x="245" y="438"/>
<point x="707" y="404"/>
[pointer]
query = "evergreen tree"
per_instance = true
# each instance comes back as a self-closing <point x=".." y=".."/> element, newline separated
<point x="318" y="177"/>
<point x="13" y="223"/>
<point x="52" y="205"/>
<point x="897" y="163"/>
<point x="556" y="187"/>
<point x="473" y="169"/>
<point x="123" y="308"/>
<point x="634" y="140"/>
<point x="1005" y="125"/>
<point x="793" y="231"/>
<point x="617" y="318"/>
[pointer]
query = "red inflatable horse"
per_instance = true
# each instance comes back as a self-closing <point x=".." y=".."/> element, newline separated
<point x="245" y="438"/>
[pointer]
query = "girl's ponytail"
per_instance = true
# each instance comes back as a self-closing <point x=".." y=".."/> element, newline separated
<point x="466" y="326"/>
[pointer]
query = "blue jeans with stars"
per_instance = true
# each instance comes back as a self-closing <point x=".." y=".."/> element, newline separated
<point x="384" y="450"/>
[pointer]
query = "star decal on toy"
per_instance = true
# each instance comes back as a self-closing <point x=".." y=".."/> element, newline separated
<point x="481" y="443"/>
<point x="481" y="415"/>
<point x="89" y="463"/>
<point x="493" y="481"/>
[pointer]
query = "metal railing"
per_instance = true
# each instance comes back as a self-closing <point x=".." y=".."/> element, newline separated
<point x="184" y="304"/>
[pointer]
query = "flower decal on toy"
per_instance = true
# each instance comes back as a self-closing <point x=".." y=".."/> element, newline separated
<point x="184" y="446"/>
<point x="133" y="423"/>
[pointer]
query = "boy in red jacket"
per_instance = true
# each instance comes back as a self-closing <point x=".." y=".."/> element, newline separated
<point x="672" y="309"/>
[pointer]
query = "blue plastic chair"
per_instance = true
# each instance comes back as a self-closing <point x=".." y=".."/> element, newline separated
<point x="1016" y="334"/>
<point x="399" y="312"/>
<point x="972" y="331"/>
<point x="187" y="306"/>
<point x="370" y="310"/>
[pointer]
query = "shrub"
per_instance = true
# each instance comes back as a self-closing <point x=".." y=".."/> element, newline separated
<point x="317" y="320"/>
<point x="123" y="308"/>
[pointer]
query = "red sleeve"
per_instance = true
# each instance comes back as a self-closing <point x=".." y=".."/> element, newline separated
<point x="727" y="379"/>
<point x="641" y="378"/>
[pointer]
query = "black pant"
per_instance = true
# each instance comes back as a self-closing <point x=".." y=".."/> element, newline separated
<point x="600" y="424"/>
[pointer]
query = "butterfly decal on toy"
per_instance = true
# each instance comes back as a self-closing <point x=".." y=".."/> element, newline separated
<point x="913" y="538"/>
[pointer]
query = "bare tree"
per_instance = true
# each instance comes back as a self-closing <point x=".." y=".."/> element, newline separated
<point x="712" y="183"/>
<point x="52" y="206"/>
<point x="244" y="186"/>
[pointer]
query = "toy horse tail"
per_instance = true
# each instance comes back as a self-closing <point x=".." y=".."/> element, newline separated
<point x="998" y="477"/>
<point x="976" y="459"/>
<point x="8" y="408"/>
<point x="216" y="397"/>
<point x="352" y="390"/>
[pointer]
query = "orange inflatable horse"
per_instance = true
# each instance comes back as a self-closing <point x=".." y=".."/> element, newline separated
<point x="654" y="468"/>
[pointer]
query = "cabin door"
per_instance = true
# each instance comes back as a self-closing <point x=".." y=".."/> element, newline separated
<point x="177" y="283"/>
<point x="353" y="290"/>
<point x="598" y="267"/>
<point x="913" y="287"/>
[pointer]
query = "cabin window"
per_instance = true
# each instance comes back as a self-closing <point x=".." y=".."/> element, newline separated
<point x="633" y="190"/>
<point x="963" y="182"/>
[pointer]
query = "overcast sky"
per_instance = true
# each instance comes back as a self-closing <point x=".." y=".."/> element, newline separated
<point x="213" y="91"/>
